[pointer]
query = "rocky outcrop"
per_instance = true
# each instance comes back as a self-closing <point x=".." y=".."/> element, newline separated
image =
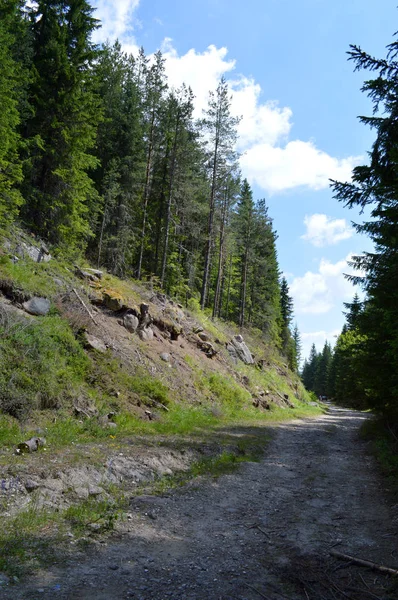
<point x="112" y="300"/>
<point x="238" y="350"/>
<point x="90" y="341"/>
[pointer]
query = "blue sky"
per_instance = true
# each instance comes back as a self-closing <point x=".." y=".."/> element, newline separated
<point x="286" y="63"/>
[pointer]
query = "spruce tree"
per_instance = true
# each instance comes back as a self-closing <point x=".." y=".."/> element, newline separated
<point x="61" y="199"/>
<point x="10" y="83"/>
<point x="375" y="185"/>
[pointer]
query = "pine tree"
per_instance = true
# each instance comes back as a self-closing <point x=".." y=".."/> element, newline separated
<point x="245" y="220"/>
<point x="121" y="154"/>
<point x="219" y="128"/>
<point x="354" y="311"/>
<point x="265" y="307"/>
<point x="154" y="89"/>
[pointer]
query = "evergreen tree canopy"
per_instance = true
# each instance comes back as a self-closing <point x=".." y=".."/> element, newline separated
<point x="376" y="185"/>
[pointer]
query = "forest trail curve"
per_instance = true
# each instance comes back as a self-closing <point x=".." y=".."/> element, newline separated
<point x="264" y="531"/>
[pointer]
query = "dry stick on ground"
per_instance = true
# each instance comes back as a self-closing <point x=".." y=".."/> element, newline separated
<point x="84" y="306"/>
<point x="364" y="563"/>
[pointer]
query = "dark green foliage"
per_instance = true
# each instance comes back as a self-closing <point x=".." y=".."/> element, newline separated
<point x="62" y="199"/>
<point x="309" y="369"/>
<point x="345" y="382"/>
<point x="10" y="82"/>
<point x="321" y="378"/>
<point x="376" y="186"/>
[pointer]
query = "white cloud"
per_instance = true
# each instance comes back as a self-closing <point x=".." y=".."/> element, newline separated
<point x="317" y="293"/>
<point x="117" y="18"/>
<point x="268" y="158"/>
<point x="262" y="123"/>
<point x="296" y="164"/>
<point x="201" y="71"/>
<point x="318" y="338"/>
<point x="325" y="231"/>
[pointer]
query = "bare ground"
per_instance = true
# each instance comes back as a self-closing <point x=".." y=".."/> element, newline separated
<point x="264" y="531"/>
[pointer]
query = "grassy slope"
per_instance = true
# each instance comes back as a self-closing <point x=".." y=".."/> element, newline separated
<point x="46" y="370"/>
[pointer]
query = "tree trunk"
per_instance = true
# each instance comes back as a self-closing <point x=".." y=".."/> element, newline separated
<point x="168" y="207"/>
<point x="146" y="194"/>
<point x="209" y="243"/>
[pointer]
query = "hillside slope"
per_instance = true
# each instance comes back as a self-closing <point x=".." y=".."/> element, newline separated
<point x="117" y="386"/>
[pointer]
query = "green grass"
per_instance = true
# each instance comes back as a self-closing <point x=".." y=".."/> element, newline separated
<point x="28" y="541"/>
<point x="33" y="278"/>
<point x="385" y="446"/>
<point x="42" y="364"/>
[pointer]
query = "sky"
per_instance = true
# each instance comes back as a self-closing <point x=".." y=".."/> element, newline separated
<point x="299" y="98"/>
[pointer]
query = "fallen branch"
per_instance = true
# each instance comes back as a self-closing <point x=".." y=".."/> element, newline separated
<point x="365" y="563"/>
<point x="85" y="307"/>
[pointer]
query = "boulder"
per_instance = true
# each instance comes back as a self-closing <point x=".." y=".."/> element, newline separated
<point x="112" y="300"/>
<point x="36" y="253"/>
<point x="165" y="356"/>
<point x="88" y="274"/>
<point x="166" y="325"/>
<point x="207" y="348"/>
<point x="146" y="334"/>
<point x="203" y="336"/>
<point x="98" y="274"/>
<point x="237" y="348"/>
<point x="37" y="306"/>
<point x="92" y="342"/>
<point x="131" y="322"/>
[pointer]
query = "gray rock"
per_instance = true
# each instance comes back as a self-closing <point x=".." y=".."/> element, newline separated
<point x="165" y="356"/>
<point x="81" y="492"/>
<point x="37" y="306"/>
<point x="203" y="336"/>
<point x="31" y="485"/>
<point x="240" y="350"/>
<point x="146" y="334"/>
<point x="96" y="273"/>
<point x="94" y="343"/>
<point x="131" y="323"/>
<point x="38" y="254"/>
<point x="94" y="490"/>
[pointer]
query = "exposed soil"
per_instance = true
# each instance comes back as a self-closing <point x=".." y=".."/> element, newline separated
<point x="264" y="531"/>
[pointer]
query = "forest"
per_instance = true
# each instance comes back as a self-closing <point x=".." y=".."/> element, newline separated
<point x="103" y="159"/>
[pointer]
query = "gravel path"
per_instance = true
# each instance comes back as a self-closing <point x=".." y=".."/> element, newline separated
<point x="264" y="531"/>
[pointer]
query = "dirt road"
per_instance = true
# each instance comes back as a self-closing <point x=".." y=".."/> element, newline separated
<point x="264" y="531"/>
